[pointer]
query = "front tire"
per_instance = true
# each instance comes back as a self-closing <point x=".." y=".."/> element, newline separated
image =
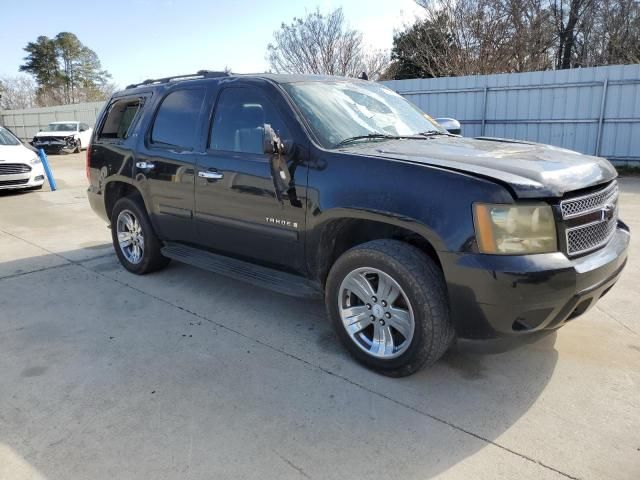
<point x="388" y="303"/>
<point x="134" y="240"/>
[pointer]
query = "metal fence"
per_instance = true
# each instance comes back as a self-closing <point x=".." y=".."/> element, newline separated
<point x="26" y="123"/>
<point x="591" y="110"/>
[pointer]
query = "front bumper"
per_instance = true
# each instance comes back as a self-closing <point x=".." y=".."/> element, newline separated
<point x="32" y="179"/>
<point x="55" y="146"/>
<point x="498" y="295"/>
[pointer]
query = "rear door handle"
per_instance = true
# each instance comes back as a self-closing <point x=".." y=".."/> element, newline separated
<point x="145" y="165"/>
<point x="210" y="175"/>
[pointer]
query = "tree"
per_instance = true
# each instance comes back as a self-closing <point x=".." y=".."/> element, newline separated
<point x="420" y="51"/>
<point x="467" y="37"/>
<point x="17" y="93"/>
<point x="42" y="63"/>
<point x="322" y="44"/>
<point x="566" y="21"/>
<point x="65" y="70"/>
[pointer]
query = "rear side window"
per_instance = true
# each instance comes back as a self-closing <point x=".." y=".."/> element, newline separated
<point x="177" y="122"/>
<point x="119" y="119"/>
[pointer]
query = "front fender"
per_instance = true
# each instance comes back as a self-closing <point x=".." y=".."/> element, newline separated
<point x="434" y="203"/>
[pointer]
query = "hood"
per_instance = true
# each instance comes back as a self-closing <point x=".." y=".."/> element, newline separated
<point x="531" y="170"/>
<point x="15" y="154"/>
<point x="56" y="134"/>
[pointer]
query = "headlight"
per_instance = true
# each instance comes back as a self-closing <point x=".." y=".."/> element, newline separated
<point x="35" y="160"/>
<point x="515" y="229"/>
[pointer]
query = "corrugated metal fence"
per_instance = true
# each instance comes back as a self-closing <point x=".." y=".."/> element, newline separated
<point x="26" y="123"/>
<point x="591" y="110"/>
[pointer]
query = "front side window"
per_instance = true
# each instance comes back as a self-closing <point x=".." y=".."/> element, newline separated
<point x="177" y="122"/>
<point x="336" y="111"/>
<point x="238" y="124"/>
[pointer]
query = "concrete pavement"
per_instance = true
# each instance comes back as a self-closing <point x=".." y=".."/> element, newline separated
<point x="185" y="374"/>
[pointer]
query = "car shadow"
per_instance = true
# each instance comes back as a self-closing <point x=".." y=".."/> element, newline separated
<point x="330" y="408"/>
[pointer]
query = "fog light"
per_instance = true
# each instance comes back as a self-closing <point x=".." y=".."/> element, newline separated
<point x="38" y="178"/>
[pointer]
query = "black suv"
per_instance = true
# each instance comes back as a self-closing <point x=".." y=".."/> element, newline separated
<point x="338" y="187"/>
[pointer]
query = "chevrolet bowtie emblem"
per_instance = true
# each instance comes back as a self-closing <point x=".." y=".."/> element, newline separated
<point x="607" y="212"/>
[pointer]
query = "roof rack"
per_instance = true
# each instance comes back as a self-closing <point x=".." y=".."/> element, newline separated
<point x="198" y="74"/>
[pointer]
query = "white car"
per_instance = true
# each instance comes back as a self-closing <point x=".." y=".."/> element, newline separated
<point x="20" y="167"/>
<point x="65" y="137"/>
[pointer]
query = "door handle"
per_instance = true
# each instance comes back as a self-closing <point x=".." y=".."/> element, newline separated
<point x="145" y="165"/>
<point x="210" y="175"/>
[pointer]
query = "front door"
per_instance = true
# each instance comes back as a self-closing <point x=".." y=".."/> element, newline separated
<point x="166" y="159"/>
<point x="241" y="208"/>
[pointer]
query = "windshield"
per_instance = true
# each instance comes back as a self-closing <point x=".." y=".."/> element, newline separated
<point x="337" y="111"/>
<point x="62" y="127"/>
<point x="7" y="139"/>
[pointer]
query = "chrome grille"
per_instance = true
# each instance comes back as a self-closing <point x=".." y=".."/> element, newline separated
<point x="592" y="233"/>
<point x="590" y="236"/>
<point x="14" y="168"/>
<point x="574" y="207"/>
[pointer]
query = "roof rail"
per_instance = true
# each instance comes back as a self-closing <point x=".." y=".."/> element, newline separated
<point x="198" y="74"/>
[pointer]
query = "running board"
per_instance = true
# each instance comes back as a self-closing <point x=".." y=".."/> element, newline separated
<point x="257" y="275"/>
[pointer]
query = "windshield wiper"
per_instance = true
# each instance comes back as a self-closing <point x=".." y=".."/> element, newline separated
<point x="418" y="136"/>
<point x="361" y="137"/>
<point x="433" y="133"/>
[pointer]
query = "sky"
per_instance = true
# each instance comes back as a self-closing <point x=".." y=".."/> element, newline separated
<point x="140" y="39"/>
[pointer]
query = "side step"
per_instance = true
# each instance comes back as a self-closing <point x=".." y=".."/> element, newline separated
<point x="257" y="275"/>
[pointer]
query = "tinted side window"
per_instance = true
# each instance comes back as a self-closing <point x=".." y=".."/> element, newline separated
<point x="177" y="121"/>
<point x="238" y="124"/>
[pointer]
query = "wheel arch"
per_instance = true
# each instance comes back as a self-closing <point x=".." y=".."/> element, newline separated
<point x="115" y="190"/>
<point x="340" y="233"/>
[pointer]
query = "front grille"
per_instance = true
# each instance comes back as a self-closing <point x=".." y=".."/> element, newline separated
<point x="8" y="183"/>
<point x="14" y="168"/>
<point x="592" y="219"/>
<point x="574" y="207"/>
<point x="589" y="237"/>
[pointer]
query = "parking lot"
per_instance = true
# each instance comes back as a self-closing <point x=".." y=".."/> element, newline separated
<point x="186" y="374"/>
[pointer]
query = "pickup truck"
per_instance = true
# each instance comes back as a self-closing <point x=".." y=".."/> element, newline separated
<point x="319" y="186"/>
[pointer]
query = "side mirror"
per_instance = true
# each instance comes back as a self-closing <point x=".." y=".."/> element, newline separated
<point x="271" y="142"/>
<point x="451" y="125"/>
<point x="279" y="169"/>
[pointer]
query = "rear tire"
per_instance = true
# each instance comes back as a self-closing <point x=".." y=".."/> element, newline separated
<point x="134" y="240"/>
<point x="388" y="303"/>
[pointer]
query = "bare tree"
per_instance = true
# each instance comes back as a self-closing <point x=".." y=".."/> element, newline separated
<point x="17" y="92"/>
<point x="322" y="44"/>
<point x="609" y="33"/>
<point x="467" y="37"/>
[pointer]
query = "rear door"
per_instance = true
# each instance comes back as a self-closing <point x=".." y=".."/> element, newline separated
<point x="165" y="162"/>
<point x="239" y="208"/>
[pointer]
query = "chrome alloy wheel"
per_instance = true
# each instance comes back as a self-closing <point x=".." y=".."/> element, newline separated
<point x="376" y="313"/>
<point x="130" y="237"/>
